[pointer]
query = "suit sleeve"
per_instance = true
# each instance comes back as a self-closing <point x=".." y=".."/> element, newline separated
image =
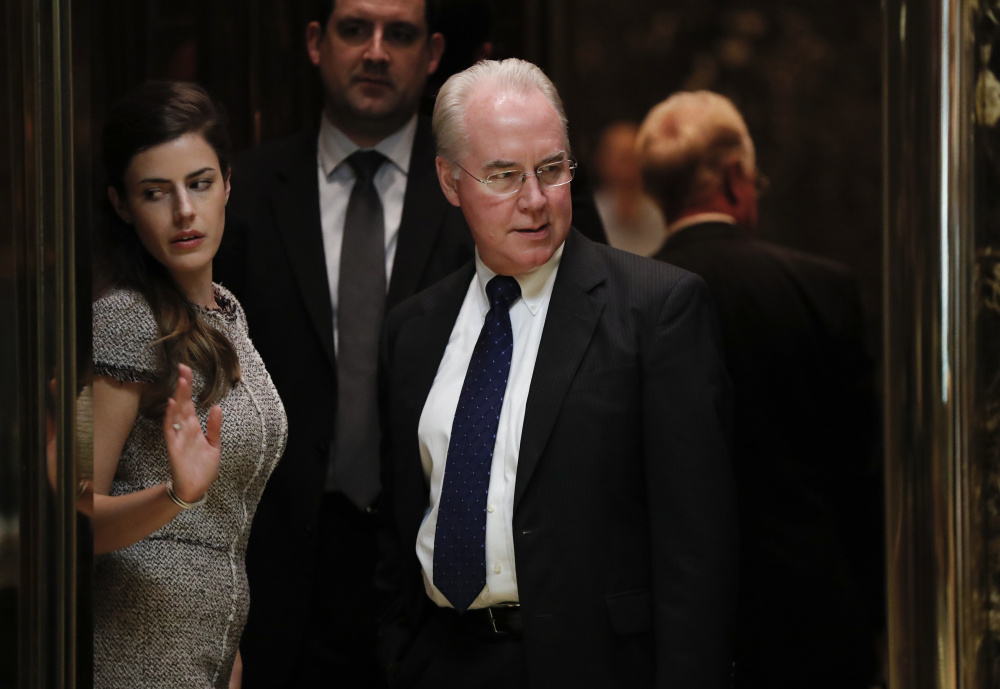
<point x="394" y="635"/>
<point x="860" y="485"/>
<point x="687" y="400"/>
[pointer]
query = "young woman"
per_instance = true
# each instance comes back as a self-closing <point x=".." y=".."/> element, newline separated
<point x="187" y="424"/>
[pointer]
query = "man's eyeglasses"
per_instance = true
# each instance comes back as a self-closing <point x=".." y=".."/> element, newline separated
<point x="510" y="181"/>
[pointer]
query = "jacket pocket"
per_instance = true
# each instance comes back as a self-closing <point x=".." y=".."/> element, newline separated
<point x="631" y="612"/>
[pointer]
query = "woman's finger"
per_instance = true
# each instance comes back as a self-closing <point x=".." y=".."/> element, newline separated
<point x="213" y="426"/>
<point x="182" y="392"/>
<point x="170" y="419"/>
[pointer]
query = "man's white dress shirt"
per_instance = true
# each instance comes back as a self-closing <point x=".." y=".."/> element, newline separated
<point x="336" y="180"/>
<point x="698" y="219"/>
<point x="527" y="319"/>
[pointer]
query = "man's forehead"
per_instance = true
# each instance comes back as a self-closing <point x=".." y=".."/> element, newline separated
<point x="506" y="126"/>
<point x="412" y="11"/>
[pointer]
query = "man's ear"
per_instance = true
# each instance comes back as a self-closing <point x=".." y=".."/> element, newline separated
<point x="447" y="180"/>
<point x="734" y="180"/>
<point x="119" y="205"/>
<point x="437" y="50"/>
<point x="314" y="36"/>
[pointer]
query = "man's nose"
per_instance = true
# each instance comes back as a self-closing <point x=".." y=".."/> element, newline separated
<point x="531" y="197"/>
<point x="375" y="50"/>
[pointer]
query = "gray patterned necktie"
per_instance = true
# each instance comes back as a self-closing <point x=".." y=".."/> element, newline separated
<point x="361" y="303"/>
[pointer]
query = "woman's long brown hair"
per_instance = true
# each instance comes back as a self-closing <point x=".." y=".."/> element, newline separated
<point x="153" y="114"/>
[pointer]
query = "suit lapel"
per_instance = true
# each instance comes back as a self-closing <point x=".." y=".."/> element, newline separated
<point x="569" y="326"/>
<point x="424" y="208"/>
<point x="295" y="201"/>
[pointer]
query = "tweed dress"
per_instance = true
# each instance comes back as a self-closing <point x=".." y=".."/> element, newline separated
<point x="170" y="609"/>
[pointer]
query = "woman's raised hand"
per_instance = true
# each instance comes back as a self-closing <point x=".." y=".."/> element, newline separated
<point x="193" y="455"/>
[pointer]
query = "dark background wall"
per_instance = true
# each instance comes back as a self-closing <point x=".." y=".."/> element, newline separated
<point x="806" y="75"/>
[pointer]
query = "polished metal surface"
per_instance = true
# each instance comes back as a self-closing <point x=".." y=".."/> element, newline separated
<point x="41" y="462"/>
<point x="934" y="539"/>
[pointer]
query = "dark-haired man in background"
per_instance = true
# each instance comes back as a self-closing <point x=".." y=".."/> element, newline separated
<point x="807" y="482"/>
<point x="327" y="230"/>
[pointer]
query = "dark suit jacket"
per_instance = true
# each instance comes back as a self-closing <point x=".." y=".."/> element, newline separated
<point x="624" y="516"/>
<point x="809" y="494"/>
<point x="272" y="259"/>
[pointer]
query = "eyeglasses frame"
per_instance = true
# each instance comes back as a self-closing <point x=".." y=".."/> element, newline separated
<point x="573" y="165"/>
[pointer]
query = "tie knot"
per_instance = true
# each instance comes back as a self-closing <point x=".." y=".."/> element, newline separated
<point x="502" y="291"/>
<point x="365" y="164"/>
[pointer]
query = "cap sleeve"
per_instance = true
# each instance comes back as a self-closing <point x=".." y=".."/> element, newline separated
<point x="124" y="337"/>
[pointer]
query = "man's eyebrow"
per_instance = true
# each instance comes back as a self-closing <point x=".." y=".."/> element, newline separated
<point x="556" y="157"/>
<point x="499" y="164"/>
<point x="403" y="24"/>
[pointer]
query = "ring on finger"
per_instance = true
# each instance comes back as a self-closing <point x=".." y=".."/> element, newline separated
<point x="178" y="426"/>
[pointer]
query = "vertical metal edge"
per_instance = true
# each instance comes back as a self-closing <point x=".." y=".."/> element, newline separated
<point x="923" y="422"/>
<point x="65" y="345"/>
<point x="31" y="286"/>
<point x="58" y="230"/>
<point x="971" y="555"/>
<point x="893" y="18"/>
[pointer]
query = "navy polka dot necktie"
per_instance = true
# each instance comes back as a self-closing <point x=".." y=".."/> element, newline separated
<point x="460" y="535"/>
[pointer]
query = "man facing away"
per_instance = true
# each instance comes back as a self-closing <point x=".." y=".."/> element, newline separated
<point x="808" y="488"/>
<point x="327" y="230"/>
<point x="557" y="505"/>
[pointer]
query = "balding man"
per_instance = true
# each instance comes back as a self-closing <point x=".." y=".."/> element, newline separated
<point x="810" y="529"/>
<point x="329" y="229"/>
<point x="557" y="490"/>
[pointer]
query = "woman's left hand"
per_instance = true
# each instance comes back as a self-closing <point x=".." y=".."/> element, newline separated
<point x="194" y="456"/>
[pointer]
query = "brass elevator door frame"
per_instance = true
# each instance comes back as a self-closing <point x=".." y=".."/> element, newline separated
<point x="45" y="550"/>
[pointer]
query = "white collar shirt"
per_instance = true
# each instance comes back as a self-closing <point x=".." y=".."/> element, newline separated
<point x="336" y="180"/>
<point x="527" y="317"/>
<point x="698" y="219"/>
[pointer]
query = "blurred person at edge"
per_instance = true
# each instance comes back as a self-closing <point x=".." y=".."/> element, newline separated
<point x="808" y="483"/>
<point x="187" y="424"/>
<point x="632" y="219"/>
<point x="290" y="257"/>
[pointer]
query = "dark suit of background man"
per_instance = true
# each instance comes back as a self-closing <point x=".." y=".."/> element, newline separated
<point x="312" y="547"/>
<point x="810" y="524"/>
<point x="605" y="550"/>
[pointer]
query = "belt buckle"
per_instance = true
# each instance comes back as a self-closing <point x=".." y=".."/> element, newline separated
<point x="493" y="621"/>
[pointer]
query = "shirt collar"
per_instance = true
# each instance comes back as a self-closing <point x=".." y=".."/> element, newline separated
<point x="536" y="284"/>
<point x="334" y="146"/>
<point x="697" y="219"/>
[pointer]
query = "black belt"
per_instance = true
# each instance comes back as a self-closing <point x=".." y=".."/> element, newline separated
<point x="500" y="619"/>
